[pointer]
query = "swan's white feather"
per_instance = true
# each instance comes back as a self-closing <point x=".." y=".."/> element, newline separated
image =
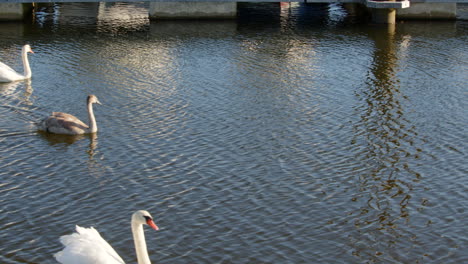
<point x="5" y="67"/>
<point x="7" y="74"/>
<point x="86" y="246"/>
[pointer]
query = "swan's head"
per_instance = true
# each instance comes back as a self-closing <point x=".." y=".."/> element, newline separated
<point x="144" y="218"/>
<point x="27" y="48"/>
<point x="92" y="99"/>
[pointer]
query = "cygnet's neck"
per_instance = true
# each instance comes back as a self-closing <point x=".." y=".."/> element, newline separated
<point x="92" y="120"/>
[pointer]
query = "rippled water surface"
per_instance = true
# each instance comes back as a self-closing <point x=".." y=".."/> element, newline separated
<point x="293" y="134"/>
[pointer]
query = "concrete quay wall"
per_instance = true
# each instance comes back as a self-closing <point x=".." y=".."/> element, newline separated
<point x="223" y="9"/>
<point x="14" y="11"/>
<point x="428" y="11"/>
<point x="192" y="10"/>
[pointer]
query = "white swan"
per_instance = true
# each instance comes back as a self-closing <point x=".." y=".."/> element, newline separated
<point x="86" y="246"/>
<point x="62" y="123"/>
<point x="7" y="74"/>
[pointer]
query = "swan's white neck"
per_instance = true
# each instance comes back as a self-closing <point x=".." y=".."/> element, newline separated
<point x="140" y="243"/>
<point x="27" y="69"/>
<point x="92" y="120"/>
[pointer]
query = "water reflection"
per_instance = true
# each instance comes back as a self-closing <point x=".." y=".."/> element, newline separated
<point x="119" y="16"/>
<point x="80" y="13"/>
<point x="104" y="15"/>
<point x="12" y="29"/>
<point x="12" y="88"/>
<point x="382" y="74"/>
<point x="9" y="88"/>
<point x="17" y="97"/>
<point x="202" y="28"/>
<point x="27" y="92"/>
<point x="386" y="184"/>
<point x="67" y="140"/>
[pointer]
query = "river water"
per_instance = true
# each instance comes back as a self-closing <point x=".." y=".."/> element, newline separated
<point x="293" y="134"/>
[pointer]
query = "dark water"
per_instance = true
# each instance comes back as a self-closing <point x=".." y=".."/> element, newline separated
<point x="290" y="135"/>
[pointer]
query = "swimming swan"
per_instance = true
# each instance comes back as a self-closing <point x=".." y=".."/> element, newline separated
<point x="86" y="246"/>
<point x="62" y="123"/>
<point x="7" y="74"/>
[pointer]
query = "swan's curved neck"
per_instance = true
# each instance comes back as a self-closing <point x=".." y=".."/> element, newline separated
<point x="27" y="69"/>
<point x="140" y="243"/>
<point x="92" y="120"/>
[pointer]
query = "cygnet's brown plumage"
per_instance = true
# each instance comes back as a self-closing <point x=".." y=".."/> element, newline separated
<point x="62" y="123"/>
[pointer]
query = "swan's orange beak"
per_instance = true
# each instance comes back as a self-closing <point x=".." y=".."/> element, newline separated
<point x="152" y="224"/>
<point x="31" y="51"/>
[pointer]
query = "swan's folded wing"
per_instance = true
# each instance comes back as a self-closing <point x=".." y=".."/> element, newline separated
<point x="5" y="67"/>
<point x="86" y="246"/>
<point x="63" y="123"/>
<point x="64" y="117"/>
<point x="7" y="74"/>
